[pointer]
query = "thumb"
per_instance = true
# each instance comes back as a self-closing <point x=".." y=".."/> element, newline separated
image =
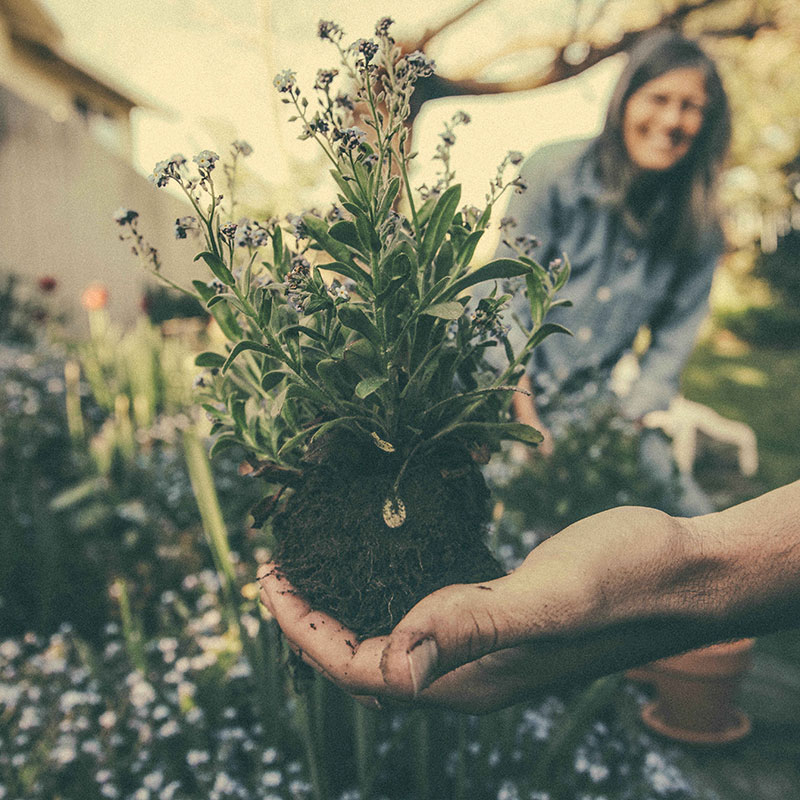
<point x="451" y="627"/>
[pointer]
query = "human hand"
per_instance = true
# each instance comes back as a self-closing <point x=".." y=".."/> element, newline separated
<point x="450" y="650"/>
<point x="476" y="647"/>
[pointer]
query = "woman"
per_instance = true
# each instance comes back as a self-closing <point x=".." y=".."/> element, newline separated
<point x="634" y="210"/>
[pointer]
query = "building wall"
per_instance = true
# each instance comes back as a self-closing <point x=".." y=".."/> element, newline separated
<point x="60" y="189"/>
<point x="54" y="87"/>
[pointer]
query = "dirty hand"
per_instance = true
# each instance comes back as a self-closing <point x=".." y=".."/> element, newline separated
<point x="479" y="647"/>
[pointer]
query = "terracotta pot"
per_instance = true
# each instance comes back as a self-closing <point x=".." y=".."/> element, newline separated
<point x="695" y="693"/>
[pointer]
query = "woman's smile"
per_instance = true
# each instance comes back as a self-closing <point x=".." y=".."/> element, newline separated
<point x="663" y="117"/>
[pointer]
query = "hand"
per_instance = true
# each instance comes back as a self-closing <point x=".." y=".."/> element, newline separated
<point x="613" y="591"/>
<point x="479" y="647"/>
<point x="448" y="651"/>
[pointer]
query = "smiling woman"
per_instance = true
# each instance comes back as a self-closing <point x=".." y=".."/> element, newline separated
<point x="635" y="210"/>
<point x="663" y="118"/>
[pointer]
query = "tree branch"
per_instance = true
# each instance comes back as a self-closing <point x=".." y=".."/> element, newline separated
<point x="432" y="33"/>
<point x="559" y="69"/>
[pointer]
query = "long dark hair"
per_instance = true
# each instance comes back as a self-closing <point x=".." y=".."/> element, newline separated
<point x="686" y="192"/>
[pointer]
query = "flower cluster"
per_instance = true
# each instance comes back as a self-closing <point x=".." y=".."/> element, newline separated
<point x="448" y="139"/>
<point x="185" y="224"/>
<point x="247" y="233"/>
<point x="327" y="29"/>
<point x="487" y="318"/>
<point x="127" y="219"/>
<point x="205" y="160"/>
<point x="115" y="732"/>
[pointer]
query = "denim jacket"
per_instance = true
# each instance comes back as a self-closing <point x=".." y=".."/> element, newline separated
<point x="619" y="282"/>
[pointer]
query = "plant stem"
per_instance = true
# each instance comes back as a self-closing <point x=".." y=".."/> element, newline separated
<point x="131" y="630"/>
<point x="213" y="523"/>
<point x="364" y="747"/>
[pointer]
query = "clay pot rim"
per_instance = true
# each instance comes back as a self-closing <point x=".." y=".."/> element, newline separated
<point x="710" y="663"/>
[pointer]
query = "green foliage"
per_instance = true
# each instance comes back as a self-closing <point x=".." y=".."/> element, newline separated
<point x="23" y="310"/>
<point x="366" y="320"/>
<point x="781" y="269"/>
<point x="595" y="466"/>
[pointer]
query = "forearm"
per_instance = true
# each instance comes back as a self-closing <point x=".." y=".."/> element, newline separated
<point x="647" y="585"/>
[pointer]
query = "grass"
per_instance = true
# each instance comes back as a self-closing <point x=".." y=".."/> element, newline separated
<point x="756" y="385"/>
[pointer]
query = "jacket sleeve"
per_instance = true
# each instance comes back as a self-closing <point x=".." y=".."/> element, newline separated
<point x="673" y="335"/>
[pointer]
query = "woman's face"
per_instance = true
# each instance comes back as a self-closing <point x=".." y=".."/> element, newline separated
<point x="663" y="117"/>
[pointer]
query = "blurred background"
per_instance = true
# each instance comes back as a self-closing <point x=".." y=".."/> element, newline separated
<point x="115" y="525"/>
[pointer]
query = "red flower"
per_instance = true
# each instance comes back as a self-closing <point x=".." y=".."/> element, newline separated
<point x="47" y="284"/>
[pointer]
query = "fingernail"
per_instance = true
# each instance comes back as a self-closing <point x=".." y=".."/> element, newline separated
<point x="421" y="660"/>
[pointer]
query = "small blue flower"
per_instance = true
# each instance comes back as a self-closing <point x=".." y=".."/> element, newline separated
<point x="367" y="48"/>
<point x="161" y="174"/>
<point x="285" y="81"/>
<point x="205" y="160"/>
<point x="329" y="30"/>
<point x="349" y="138"/>
<point x="421" y="66"/>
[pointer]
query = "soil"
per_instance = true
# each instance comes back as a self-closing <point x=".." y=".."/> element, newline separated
<point x="335" y="548"/>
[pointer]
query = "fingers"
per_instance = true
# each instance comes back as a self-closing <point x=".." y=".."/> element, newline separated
<point x="449" y="628"/>
<point x="320" y="640"/>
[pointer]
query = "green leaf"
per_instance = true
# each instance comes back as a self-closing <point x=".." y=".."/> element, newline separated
<point x="367" y="386"/>
<point x="333" y="423"/>
<point x="390" y="193"/>
<point x="205" y="291"/>
<point x="367" y="234"/>
<point x="271" y="379"/>
<point x="518" y="431"/>
<point x="265" y="308"/>
<point x="240" y="348"/>
<point x="227" y="322"/>
<point x="238" y="414"/>
<point x="344" y="185"/>
<point x="336" y="376"/>
<point x="354" y="318"/>
<point x="351" y="270"/>
<point x="563" y="275"/>
<point x="344" y="231"/>
<point x="468" y="247"/>
<point x="277" y="247"/>
<point x="290" y="444"/>
<point x="318" y="229"/>
<point x="217" y="266"/>
<point x="545" y="331"/>
<point x="276" y="406"/>
<point x="217" y="298"/>
<point x="444" y="261"/>
<point x="305" y="393"/>
<point x="439" y="222"/>
<point x="501" y="268"/>
<point x="310" y="332"/>
<point x="449" y="310"/>
<point x="537" y="297"/>
<point x="208" y="359"/>
<point x="393" y="285"/>
<point x="222" y="443"/>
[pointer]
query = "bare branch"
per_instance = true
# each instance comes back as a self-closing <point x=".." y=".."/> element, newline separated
<point x="432" y="33"/>
<point x="560" y="68"/>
